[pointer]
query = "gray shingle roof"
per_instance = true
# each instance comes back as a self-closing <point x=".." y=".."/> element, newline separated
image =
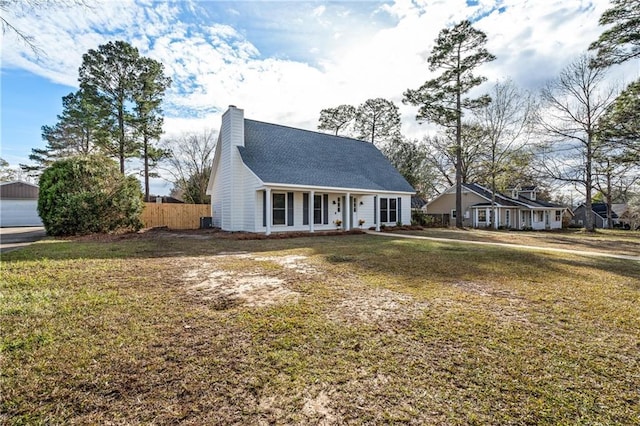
<point x="505" y="201"/>
<point x="279" y="154"/>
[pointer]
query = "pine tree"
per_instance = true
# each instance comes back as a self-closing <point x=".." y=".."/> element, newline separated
<point x="458" y="51"/>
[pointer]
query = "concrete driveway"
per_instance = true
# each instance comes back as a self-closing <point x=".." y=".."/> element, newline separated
<point x="15" y="238"/>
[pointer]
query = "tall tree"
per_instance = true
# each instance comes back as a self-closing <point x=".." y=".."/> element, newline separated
<point x="337" y="119"/>
<point x="83" y="128"/>
<point x="378" y="121"/>
<point x="457" y="52"/>
<point x="189" y="164"/>
<point x="573" y="104"/>
<point x="621" y="41"/>
<point x="620" y="126"/>
<point x="111" y="73"/>
<point x="506" y="121"/>
<point x="147" y="95"/>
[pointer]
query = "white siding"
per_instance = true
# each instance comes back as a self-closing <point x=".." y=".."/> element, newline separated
<point x="216" y="198"/>
<point x="251" y="203"/>
<point x="230" y="182"/>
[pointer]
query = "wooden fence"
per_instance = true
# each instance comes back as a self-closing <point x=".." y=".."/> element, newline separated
<point x="174" y="216"/>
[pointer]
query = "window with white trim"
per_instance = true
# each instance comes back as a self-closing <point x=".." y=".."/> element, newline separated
<point x="393" y="210"/>
<point x="482" y="215"/>
<point x="384" y="210"/>
<point x="279" y="208"/>
<point x="317" y="209"/>
<point x="558" y="215"/>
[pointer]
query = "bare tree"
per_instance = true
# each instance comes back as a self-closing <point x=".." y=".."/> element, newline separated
<point x="507" y="126"/>
<point x="442" y="154"/>
<point x="16" y="8"/>
<point x="572" y="105"/>
<point x="190" y="164"/>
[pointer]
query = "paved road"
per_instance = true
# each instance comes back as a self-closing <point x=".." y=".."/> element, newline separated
<point x="15" y="238"/>
<point x="516" y="246"/>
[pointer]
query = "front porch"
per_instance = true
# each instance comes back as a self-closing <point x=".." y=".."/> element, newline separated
<point x="281" y="209"/>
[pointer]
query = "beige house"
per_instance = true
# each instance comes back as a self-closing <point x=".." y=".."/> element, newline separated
<point x="519" y="211"/>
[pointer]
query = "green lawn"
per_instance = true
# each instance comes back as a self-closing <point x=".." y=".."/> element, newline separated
<point x="162" y="328"/>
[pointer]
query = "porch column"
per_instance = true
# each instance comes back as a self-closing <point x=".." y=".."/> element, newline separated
<point x="376" y="213"/>
<point x="496" y="221"/>
<point x="311" y="207"/>
<point x="531" y="225"/>
<point x="475" y="218"/>
<point x="269" y="211"/>
<point x="347" y="211"/>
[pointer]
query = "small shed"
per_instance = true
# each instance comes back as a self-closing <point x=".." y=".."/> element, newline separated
<point x="19" y="204"/>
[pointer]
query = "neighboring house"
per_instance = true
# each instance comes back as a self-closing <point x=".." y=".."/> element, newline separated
<point x="599" y="212"/>
<point x="19" y="204"/>
<point x="521" y="210"/>
<point x="418" y="203"/>
<point x="271" y="178"/>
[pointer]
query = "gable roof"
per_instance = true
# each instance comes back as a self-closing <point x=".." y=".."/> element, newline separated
<point x="285" y="155"/>
<point x="501" y="200"/>
<point x="601" y="210"/>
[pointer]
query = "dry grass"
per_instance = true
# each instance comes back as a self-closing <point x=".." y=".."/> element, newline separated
<point x="326" y="330"/>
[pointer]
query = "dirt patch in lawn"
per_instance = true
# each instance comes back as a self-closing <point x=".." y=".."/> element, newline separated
<point x="255" y="284"/>
<point x="376" y="306"/>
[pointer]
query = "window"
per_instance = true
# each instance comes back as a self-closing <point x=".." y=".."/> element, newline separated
<point x="339" y="204"/>
<point x="507" y="217"/>
<point x="384" y="210"/>
<point x="453" y="214"/>
<point x="393" y="210"/>
<point x="558" y="215"/>
<point x="540" y="216"/>
<point x="317" y="209"/>
<point x="482" y="215"/>
<point x="279" y="209"/>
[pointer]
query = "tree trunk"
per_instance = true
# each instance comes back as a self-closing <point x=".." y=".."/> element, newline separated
<point x="121" y="136"/>
<point x="146" y="168"/>
<point x="588" y="222"/>
<point x="459" y="213"/>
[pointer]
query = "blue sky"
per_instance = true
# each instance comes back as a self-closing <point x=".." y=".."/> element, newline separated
<point x="281" y="61"/>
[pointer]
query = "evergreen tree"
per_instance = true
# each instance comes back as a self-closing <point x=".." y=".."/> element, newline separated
<point x="82" y="128"/>
<point x="147" y="95"/>
<point x="378" y="121"/>
<point x="337" y="119"/>
<point x="458" y="51"/>
<point x="110" y="73"/>
<point x="620" y="42"/>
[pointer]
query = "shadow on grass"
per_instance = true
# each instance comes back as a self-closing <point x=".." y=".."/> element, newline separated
<point x="413" y="259"/>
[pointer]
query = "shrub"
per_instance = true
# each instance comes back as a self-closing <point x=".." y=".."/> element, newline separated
<point x="87" y="194"/>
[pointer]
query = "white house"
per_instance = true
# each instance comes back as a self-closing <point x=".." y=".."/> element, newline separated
<point x="271" y="178"/>
<point x="521" y="210"/>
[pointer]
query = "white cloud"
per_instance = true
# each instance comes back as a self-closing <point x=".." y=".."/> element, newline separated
<point x="214" y="64"/>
